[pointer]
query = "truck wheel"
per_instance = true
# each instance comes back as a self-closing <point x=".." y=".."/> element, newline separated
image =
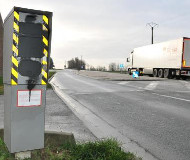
<point x="160" y="73"/>
<point x="183" y="78"/>
<point x="173" y="74"/>
<point x="166" y="73"/>
<point x="155" y="73"/>
<point x="177" y="77"/>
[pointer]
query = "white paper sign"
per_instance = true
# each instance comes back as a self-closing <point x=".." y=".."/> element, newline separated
<point x="23" y="99"/>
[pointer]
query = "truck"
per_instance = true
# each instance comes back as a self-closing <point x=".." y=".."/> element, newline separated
<point x="165" y="60"/>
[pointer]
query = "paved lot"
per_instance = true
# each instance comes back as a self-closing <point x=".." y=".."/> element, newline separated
<point x="59" y="118"/>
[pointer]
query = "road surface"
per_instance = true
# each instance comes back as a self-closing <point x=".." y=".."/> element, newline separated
<point x="153" y="115"/>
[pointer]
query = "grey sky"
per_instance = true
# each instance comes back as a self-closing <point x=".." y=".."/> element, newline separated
<point x="105" y="31"/>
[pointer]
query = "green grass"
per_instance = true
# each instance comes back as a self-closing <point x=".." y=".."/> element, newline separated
<point x="100" y="150"/>
<point x="4" y="154"/>
<point x="51" y="73"/>
<point x="1" y="87"/>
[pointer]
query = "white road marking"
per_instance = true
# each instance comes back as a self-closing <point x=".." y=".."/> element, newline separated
<point x="123" y="82"/>
<point x="187" y="100"/>
<point x="151" y="86"/>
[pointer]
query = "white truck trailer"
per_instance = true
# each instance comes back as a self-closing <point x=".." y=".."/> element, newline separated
<point x="167" y="59"/>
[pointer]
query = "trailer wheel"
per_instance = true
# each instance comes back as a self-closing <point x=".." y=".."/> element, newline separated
<point x="155" y="73"/>
<point x="160" y="73"/>
<point x="166" y="73"/>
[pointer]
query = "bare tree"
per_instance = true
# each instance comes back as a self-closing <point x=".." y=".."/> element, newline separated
<point x="101" y="68"/>
<point x="112" y="66"/>
<point x="76" y="63"/>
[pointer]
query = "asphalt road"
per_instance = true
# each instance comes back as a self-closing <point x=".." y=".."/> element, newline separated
<point x="153" y="114"/>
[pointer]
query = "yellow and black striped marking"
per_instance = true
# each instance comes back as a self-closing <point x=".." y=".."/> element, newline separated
<point x="14" y="69"/>
<point x="45" y="51"/>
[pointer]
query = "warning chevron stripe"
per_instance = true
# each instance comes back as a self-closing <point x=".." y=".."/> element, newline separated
<point x="44" y="27"/>
<point x="44" y="73"/>
<point x="14" y="69"/>
<point x="45" y="51"/>
<point x="44" y="79"/>
<point x="16" y="27"/>
<point x="15" y="50"/>
<point x="45" y="41"/>
<point x="15" y="38"/>
<point x="45" y="19"/>
<point x="16" y="15"/>
<point x="44" y="62"/>
<point x="14" y="61"/>
<point x="14" y="72"/>
<point x="14" y="80"/>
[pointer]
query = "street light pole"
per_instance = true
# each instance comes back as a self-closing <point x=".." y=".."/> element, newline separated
<point x="152" y="25"/>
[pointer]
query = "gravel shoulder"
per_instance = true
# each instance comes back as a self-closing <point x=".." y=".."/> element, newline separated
<point x="60" y="118"/>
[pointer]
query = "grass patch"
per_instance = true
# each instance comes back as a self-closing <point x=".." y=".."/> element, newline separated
<point x="100" y="150"/>
<point x="4" y="154"/>
<point x="51" y="73"/>
<point x="1" y="86"/>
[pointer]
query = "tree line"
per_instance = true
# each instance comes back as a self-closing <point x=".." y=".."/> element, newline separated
<point x="76" y="63"/>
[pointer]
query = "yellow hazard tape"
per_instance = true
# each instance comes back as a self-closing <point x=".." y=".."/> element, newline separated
<point x="16" y="27"/>
<point x="15" y="50"/>
<point x="43" y="82"/>
<point x="44" y="62"/>
<point x="15" y="38"/>
<point x="44" y="28"/>
<point x="16" y="15"/>
<point x="45" y="19"/>
<point x="15" y="73"/>
<point x="13" y="82"/>
<point x="44" y="73"/>
<point x="45" y="41"/>
<point x="45" y="52"/>
<point x="14" y="60"/>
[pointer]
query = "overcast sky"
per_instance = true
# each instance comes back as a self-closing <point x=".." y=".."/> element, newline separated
<point x="104" y="31"/>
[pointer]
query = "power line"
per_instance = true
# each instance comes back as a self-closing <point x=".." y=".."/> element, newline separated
<point x="152" y="25"/>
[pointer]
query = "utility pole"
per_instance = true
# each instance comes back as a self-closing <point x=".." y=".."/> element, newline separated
<point x="152" y="25"/>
